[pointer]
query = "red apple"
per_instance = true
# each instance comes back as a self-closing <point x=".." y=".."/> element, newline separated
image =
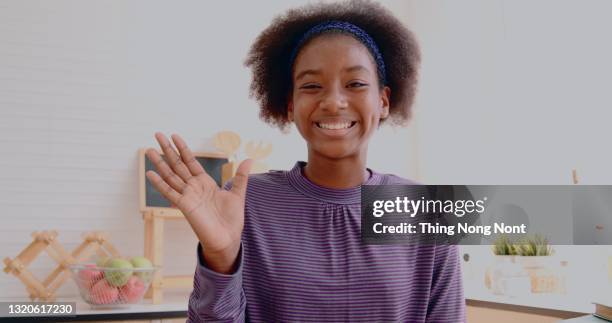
<point x="133" y="290"/>
<point x="103" y="293"/>
<point x="89" y="277"/>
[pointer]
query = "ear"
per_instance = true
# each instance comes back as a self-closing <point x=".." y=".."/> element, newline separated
<point x="385" y="94"/>
<point x="290" y="111"/>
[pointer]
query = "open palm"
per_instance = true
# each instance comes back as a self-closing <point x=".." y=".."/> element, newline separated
<point x="215" y="215"/>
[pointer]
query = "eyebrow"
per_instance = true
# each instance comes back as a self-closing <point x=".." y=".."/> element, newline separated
<point x="317" y="72"/>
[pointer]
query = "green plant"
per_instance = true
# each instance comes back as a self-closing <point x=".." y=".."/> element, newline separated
<point x="529" y="246"/>
<point x="535" y="246"/>
<point x="503" y="246"/>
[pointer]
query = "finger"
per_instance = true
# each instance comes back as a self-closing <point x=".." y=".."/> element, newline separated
<point x="172" y="158"/>
<point x="188" y="158"/>
<point x="239" y="184"/>
<point x="168" y="192"/>
<point x="165" y="171"/>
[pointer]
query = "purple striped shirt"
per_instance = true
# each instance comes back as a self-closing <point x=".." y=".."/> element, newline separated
<point x="302" y="259"/>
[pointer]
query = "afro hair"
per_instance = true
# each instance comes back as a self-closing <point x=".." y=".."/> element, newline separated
<point x="269" y="56"/>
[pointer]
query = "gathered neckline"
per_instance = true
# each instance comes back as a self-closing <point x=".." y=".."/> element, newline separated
<point x="351" y="195"/>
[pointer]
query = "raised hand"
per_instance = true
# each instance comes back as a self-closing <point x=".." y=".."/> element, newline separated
<point x="215" y="215"/>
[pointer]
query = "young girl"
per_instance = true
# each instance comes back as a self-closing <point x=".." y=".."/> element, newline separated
<point x="285" y="245"/>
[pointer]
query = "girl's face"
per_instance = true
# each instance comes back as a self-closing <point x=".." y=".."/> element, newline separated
<point x="337" y="102"/>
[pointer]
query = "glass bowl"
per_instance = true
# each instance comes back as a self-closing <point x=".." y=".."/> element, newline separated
<point x="111" y="287"/>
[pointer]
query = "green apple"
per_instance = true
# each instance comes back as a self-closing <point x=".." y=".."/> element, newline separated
<point x="102" y="261"/>
<point x="142" y="262"/>
<point x="117" y="277"/>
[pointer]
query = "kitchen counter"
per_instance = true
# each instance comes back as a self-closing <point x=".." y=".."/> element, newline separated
<point x="568" y="302"/>
<point x="174" y="306"/>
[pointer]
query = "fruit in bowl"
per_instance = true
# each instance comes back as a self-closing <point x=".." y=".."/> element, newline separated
<point x="117" y="271"/>
<point x="90" y="275"/>
<point x="114" y="281"/>
<point x="133" y="290"/>
<point x="103" y="293"/>
<point x="141" y="262"/>
<point x="102" y="261"/>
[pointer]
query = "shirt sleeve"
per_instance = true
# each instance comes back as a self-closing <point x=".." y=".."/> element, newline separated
<point x="446" y="301"/>
<point x="216" y="297"/>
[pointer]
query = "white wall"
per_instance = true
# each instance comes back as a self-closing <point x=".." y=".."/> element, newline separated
<point x="514" y="92"/>
<point x="517" y="92"/>
<point x="84" y="85"/>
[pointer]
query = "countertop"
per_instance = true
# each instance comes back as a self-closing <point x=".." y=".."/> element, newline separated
<point x="174" y="305"/>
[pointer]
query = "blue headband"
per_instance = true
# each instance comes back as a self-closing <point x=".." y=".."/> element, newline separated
<point x="357" y="32"/>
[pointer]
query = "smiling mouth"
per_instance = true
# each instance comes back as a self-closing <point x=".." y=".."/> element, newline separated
<point x="335" y="125"/>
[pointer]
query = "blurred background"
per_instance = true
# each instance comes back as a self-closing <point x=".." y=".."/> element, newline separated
<point x="511" y="92"/>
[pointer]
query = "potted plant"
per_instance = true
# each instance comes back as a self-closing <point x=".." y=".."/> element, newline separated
<point x="506" y="276"/>
<point x="522" y="266"/>
<point x="535" y="258"/>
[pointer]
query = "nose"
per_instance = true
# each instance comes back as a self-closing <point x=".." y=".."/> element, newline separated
<point x="333" y="100"/>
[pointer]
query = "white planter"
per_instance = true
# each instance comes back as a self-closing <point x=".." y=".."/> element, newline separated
<point x="544" y="273"/>
<point x="507" y="277"/>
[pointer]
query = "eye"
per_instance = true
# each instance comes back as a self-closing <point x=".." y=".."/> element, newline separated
<point x="357" y="84"/>
<point x="310" y="86"/>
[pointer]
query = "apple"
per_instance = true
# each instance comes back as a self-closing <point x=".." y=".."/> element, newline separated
<point x="88" y="277"/>
<point x="144" y="263"/>
<point x="118" y="271"/>
<point x="102" y="261"/>
<point x="103" y="293"/>
<point x="133" y="291"/>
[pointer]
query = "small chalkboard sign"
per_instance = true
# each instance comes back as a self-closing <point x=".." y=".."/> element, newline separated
<point x="215" y="164"/>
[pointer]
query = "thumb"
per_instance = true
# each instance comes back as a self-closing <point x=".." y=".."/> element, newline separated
<point x="241" y="178"/>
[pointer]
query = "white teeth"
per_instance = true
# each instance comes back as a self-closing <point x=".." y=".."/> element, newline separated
<point x="334" y="126"/>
